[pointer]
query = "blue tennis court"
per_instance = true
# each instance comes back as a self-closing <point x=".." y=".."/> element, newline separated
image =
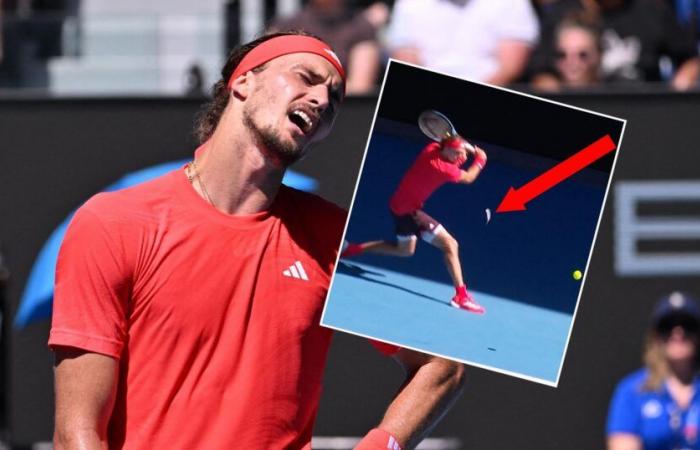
<point x="416" y="313"/>
<point x="518" y="265"/>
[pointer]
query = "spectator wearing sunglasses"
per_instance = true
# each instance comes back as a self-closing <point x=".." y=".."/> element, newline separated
<point x="658" y="407"/>
<point x="641" y="41"/>
<point x="577" y="58"/>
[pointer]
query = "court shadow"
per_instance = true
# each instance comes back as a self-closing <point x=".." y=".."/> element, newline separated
<point x="359" y="272"/>
<point x="356" y="271"/>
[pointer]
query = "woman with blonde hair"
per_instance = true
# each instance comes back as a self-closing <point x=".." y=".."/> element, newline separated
<point x="658" y="407"/>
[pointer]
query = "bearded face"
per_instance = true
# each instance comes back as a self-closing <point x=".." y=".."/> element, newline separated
<point x="285" y="151"/>
<point x="293" y="104"/>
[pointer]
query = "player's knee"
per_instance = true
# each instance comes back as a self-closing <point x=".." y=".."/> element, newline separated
<point x="451" y="245"/>
<point x="406" y="246"/>
<point x="408" y="250"/>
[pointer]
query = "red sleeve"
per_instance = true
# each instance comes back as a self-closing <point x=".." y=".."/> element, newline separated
<point x="449" y="171"/>
<point x="92" y="288"/>
<point x="452" y="172"/>
<point x="431" y="148"/>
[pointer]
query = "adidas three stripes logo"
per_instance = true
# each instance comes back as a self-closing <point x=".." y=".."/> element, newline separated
<point x="296" y="270"/>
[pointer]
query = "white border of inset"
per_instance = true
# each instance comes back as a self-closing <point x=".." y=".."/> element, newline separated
<point x="590" y="253"/>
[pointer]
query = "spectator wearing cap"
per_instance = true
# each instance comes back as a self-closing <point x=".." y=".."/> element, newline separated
<point x="658" y="407"/>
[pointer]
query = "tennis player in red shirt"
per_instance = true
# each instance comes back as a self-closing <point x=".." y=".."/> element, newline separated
<point x="437" y="164"/>
<point x="187" y="309"/>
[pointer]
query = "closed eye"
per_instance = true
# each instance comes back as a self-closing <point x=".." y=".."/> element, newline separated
<point x="305" y="78"/>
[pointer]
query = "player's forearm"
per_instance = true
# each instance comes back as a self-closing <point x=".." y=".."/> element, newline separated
<point x="85" y="394"/>
<point x="470" y="175"/>
<point x="76" y="438"/>
<point x="424" y="398"/>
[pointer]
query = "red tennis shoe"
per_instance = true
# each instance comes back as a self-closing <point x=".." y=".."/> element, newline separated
<point x="463" y="300"/>
<point x="351" y="250"/>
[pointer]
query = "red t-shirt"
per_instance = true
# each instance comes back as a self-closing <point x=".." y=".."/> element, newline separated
<point x="427" y="173"/>
<point x="214" y="318"/>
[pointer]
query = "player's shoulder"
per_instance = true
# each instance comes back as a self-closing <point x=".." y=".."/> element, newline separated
<point x="429" y="151"/>
<point x="317" y="209"/>
<point x="432" y="147"/>
<point x="315" y="224"/>
<point x="634" y="381"/>
<point x="134" y="201"/>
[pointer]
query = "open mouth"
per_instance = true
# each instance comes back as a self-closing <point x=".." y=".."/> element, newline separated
<point x="302" y="119"/>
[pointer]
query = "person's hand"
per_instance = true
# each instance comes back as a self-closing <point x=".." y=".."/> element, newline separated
<point x="479" y="157"/>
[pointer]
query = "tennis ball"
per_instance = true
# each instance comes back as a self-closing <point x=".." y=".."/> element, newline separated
<point x="577" y="274"/>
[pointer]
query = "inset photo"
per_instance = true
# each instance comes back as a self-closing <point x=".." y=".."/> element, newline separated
<point x="473" y="223"/>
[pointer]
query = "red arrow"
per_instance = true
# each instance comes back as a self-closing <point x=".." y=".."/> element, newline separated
<point x="516" y="199"/>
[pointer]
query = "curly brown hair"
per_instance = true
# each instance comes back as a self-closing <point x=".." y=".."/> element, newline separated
<point x="208" y="118"/>
<point x="655" y="361"/>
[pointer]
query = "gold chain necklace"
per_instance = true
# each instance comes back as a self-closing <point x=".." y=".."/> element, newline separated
<point x="192" y="168"/>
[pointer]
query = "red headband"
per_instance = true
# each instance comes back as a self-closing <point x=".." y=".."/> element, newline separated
<point x="453" y="142"/>
<point x="457" y="142"/>
<point x="284" y="45"/>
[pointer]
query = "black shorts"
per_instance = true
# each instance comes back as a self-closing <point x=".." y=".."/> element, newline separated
<point x="417" y="223"/>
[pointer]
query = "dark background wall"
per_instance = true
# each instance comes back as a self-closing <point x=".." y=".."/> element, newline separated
<point x="54" y="154"/>
<point x="493" y="115"/>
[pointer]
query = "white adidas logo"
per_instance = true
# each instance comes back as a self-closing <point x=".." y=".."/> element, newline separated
<point x="296" y="270"/>
<point x="333" y="55"/>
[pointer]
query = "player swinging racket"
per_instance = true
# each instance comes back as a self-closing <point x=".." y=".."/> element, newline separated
<point x="437" y="164"/>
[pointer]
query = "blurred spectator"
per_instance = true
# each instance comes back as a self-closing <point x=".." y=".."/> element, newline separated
<point x="195" y="81"/>
<point x="688" y="14"/>
<point x="635" y="35"/>
<point x="658" y="407"/>
<point x="352" y="34"/>
<point x="578" y="58"/>
<point x="485" y="40"/>
<point x="31" y="34"/>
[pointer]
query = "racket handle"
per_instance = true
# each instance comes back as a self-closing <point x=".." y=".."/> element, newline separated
<point x="480" y="159"/>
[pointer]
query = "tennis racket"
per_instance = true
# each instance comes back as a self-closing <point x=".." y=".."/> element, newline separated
<point x="438" y="127"/>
